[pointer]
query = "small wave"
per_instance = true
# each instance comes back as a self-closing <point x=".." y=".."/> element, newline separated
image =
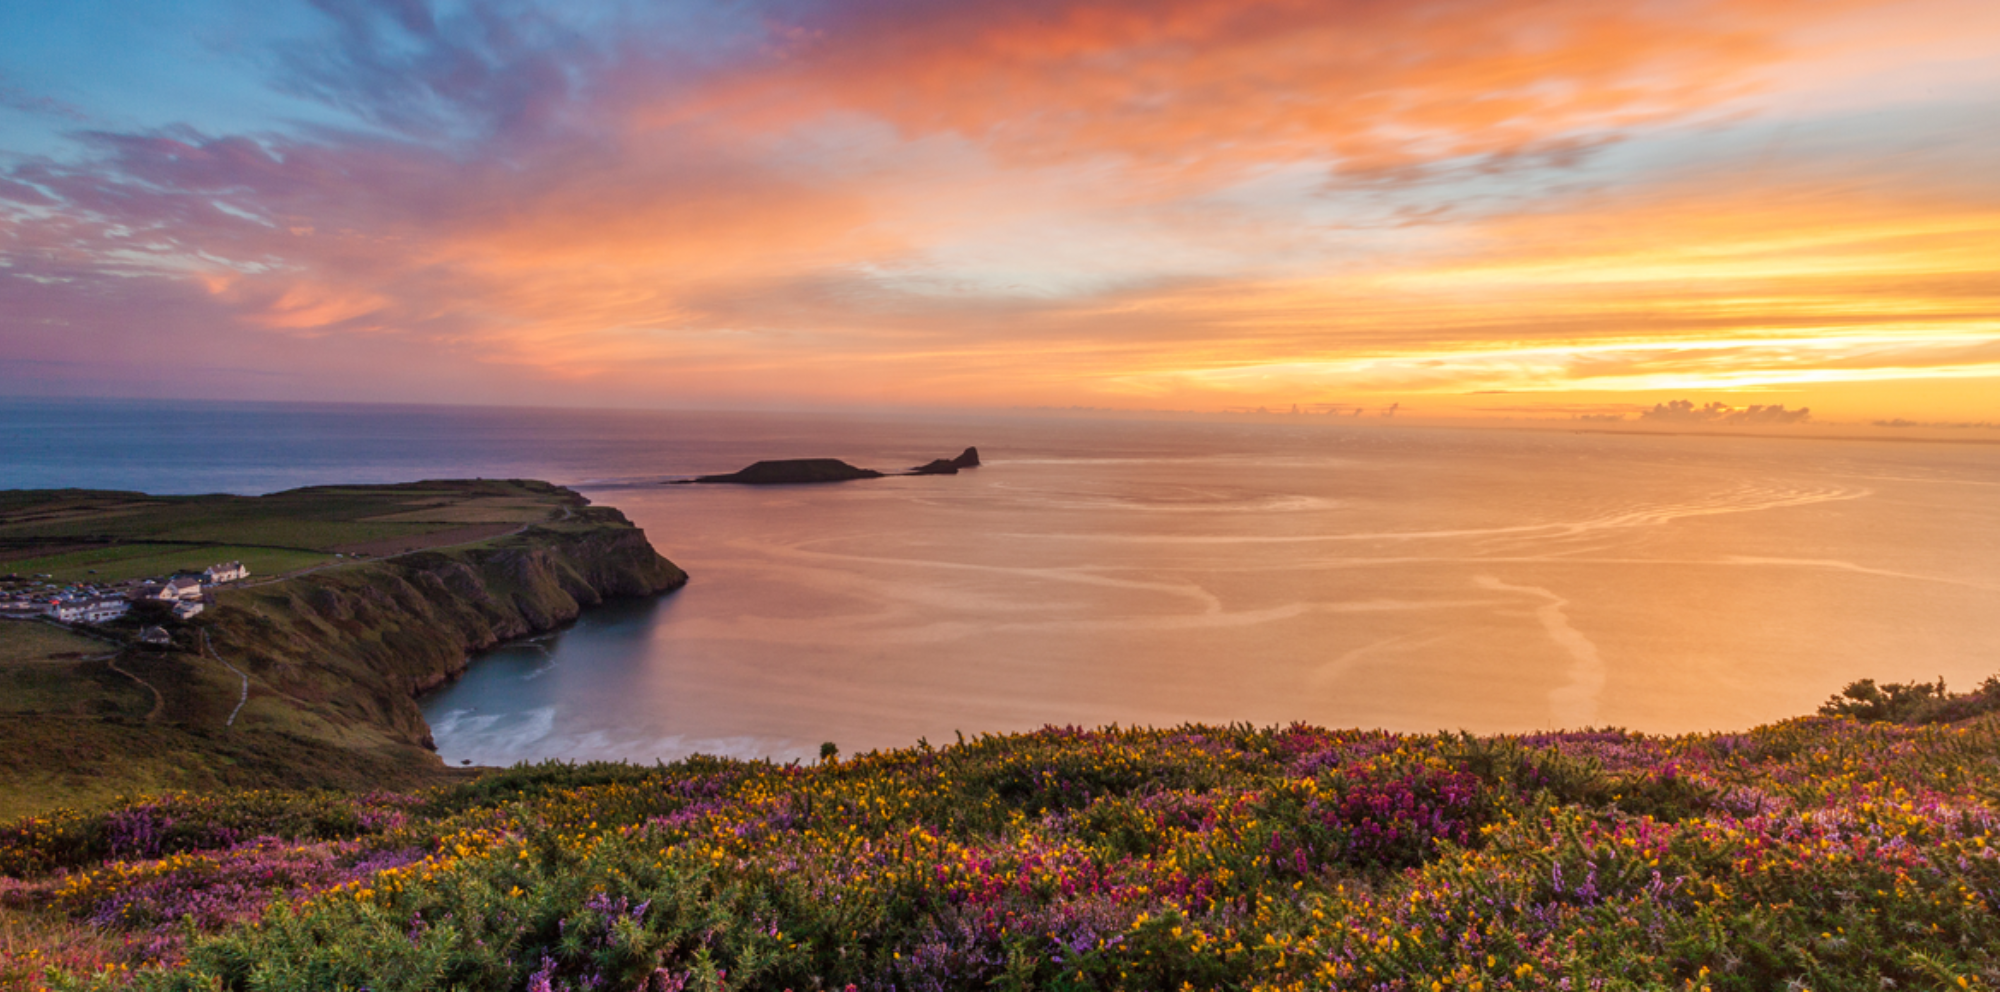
<point x="1194" y="501"/>
<point x="1743" y="500"/>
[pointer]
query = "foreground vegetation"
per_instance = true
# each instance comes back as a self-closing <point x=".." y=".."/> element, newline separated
<point x="1822" y="853"/>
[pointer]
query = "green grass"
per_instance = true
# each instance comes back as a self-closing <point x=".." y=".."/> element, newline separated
<point x="319" y="535"/>
<point x="314" y="519"/>
<point x="29" y="641"/>
<point x="82" y="762"/>
<point x="489" y="510"/>
<point x="71" y="688"/>
<point x="140" y="561"/>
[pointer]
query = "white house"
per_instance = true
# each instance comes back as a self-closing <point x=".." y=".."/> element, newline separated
<point x="95" y="610"/>
<point x="105" y="608"/>
<point x="187" y="608"/>
<point x="171" y="591"/>
<point x="228" y="571"/>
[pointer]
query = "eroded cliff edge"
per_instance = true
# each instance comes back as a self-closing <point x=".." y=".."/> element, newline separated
<point x="348" y="649"/>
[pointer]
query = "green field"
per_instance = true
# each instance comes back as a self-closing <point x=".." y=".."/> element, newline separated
<point x="140" y="561"/>
<point x="490" y="510"/>
<point x="25" y="641"/>
<point x="68" y="533"/>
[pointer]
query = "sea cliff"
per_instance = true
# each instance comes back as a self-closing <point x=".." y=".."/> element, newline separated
<point x="364" y="640"/>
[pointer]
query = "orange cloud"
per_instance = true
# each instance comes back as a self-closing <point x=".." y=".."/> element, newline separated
<point x="1376" y="88"/>
<point x="1189" y="202"/>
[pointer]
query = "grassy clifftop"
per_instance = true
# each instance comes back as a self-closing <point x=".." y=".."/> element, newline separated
<point x="298" y="680"/>
<point x="353" y="646"/>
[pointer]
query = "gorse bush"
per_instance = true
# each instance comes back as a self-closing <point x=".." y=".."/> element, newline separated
<point x="1912" y="702"/>
<point x="1818" y="853"/>
<point x="181" y="822"/>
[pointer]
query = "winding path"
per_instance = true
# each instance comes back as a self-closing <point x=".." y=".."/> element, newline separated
<point x="159" y="701"/>
<point x="210" y="648"/>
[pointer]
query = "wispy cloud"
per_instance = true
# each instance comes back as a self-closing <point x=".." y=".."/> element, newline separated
<point x="1049" y="201"/>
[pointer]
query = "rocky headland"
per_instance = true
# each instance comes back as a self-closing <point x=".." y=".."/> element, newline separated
<point x="363" y="642"/>
<point x="969" y="458"/>
<point x="307" y="679"/>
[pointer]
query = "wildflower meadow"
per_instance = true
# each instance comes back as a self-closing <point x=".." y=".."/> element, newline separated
<point x="1819" y="853"/>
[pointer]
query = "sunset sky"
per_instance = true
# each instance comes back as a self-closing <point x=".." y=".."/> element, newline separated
<point x="1507" y="207"/>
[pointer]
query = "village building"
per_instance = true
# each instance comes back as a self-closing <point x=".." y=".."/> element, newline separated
<point x="228" y="571"/>
<point x="173" y="590"/>
<point x="92" y="610"/>
<point x="187" y="608"/>
<point x="105" y="608"/>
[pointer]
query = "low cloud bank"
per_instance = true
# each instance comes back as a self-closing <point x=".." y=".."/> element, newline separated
<point x="1685" y="412"/>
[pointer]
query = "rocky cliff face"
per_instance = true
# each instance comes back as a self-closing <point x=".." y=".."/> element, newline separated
<point x="350" y="647"/>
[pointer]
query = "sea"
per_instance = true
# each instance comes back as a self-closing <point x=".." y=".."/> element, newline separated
<point x="1152" y="572"/>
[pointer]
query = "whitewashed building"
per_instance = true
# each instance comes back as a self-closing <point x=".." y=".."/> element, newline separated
<point x="228" y="571"/>
<point x="187" y="608"/>
<point x="172" y="590"/>
<point x="93" y="610"/>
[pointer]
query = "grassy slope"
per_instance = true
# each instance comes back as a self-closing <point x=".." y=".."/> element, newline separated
<point x="334" y="655"/>
<point x="118" y="562"/>
<point x="39" y="525"/>
<point x="23" y="642"/>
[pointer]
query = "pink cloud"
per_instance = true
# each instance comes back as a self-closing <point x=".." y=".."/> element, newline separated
<point x="998" y="203"/>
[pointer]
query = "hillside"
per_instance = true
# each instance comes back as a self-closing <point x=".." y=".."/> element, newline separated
<point x="298" y="679"/>
<point x="1817" y="853"/>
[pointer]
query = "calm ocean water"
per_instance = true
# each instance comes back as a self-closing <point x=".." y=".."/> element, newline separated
<point x="1148" y="572"/>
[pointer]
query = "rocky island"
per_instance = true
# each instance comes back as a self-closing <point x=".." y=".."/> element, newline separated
<point x="969" y="458"/>
<point x="362" y="597"/>
<point x="801" y="471"/>
<point x="791" y="471"/>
